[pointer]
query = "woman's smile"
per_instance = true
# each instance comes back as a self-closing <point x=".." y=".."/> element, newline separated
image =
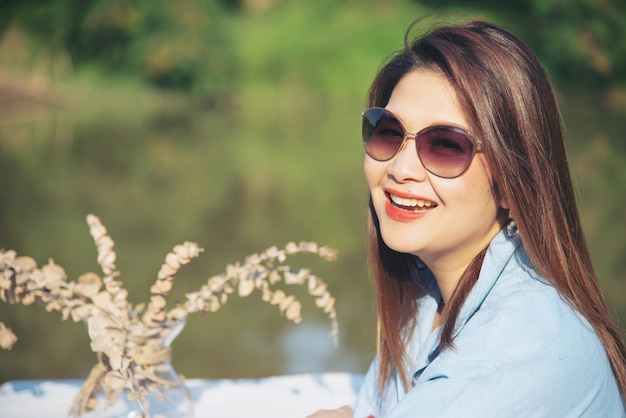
<point x="410" y="203"/>
<point x="407" y="208"/>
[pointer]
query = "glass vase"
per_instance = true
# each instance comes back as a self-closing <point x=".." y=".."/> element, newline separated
<point x="157" y="390"/>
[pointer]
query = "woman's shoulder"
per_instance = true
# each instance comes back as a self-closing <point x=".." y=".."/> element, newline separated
<point x="524" y="326"/>
<point x="525" y="339"/>
<point x="525" y="310"/>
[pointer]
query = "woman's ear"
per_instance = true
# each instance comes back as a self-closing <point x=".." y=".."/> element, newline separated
<point x="504" y="204"/>
<point x="501" y="199"/>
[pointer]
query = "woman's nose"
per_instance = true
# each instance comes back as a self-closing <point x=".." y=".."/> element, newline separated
<point x="406" y="165"/>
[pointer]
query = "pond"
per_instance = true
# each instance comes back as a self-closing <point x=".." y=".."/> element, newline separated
<point x="236" y="178"/>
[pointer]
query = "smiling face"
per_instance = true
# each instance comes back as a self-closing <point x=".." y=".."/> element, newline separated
<point x="445" y="222"/>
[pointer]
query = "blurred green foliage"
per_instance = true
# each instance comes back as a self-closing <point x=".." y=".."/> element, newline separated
<point x="235" y="123"/>
<point x="170" y="44"/>
<point x="581" y="42"/>
<point x="186" y="44"/>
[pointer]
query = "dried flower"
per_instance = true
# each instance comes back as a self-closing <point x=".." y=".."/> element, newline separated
<point x="132" y="341"/>
<point x="7" y="338"/>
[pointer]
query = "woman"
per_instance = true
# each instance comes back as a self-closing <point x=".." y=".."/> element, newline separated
<point x="478" y="318"/>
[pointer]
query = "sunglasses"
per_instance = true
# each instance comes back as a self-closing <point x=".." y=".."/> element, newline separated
<point x="445" y="151"/>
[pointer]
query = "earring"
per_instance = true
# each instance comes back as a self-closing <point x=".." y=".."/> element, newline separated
<point x="511" y="228"/>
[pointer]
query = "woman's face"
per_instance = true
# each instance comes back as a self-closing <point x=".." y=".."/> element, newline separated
<point x="445" y="222"/>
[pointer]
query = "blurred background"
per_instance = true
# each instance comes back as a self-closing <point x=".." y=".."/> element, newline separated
<point x="236" y="124"/>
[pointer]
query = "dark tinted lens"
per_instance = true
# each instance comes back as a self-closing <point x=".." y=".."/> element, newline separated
<point x="382" y="134"/>
<point x="445" y="151"/>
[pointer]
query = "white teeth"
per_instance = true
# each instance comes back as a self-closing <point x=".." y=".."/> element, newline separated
<point x="401" y="201"/>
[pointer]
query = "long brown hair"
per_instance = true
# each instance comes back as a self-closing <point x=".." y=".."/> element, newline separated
<point x="509" y="104"/>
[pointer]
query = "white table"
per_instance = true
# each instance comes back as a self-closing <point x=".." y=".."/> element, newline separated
<point x="272" y="397"/>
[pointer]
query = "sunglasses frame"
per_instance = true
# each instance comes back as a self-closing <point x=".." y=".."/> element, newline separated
<point x="475" y="142"/>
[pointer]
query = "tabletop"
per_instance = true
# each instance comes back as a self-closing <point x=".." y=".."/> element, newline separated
<point x="279" y="396"/>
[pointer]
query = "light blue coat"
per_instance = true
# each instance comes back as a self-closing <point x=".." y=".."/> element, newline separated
<point x="519" y="351"/>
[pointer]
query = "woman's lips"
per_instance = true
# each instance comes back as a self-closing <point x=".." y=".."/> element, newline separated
<point x="407" y="208"/>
